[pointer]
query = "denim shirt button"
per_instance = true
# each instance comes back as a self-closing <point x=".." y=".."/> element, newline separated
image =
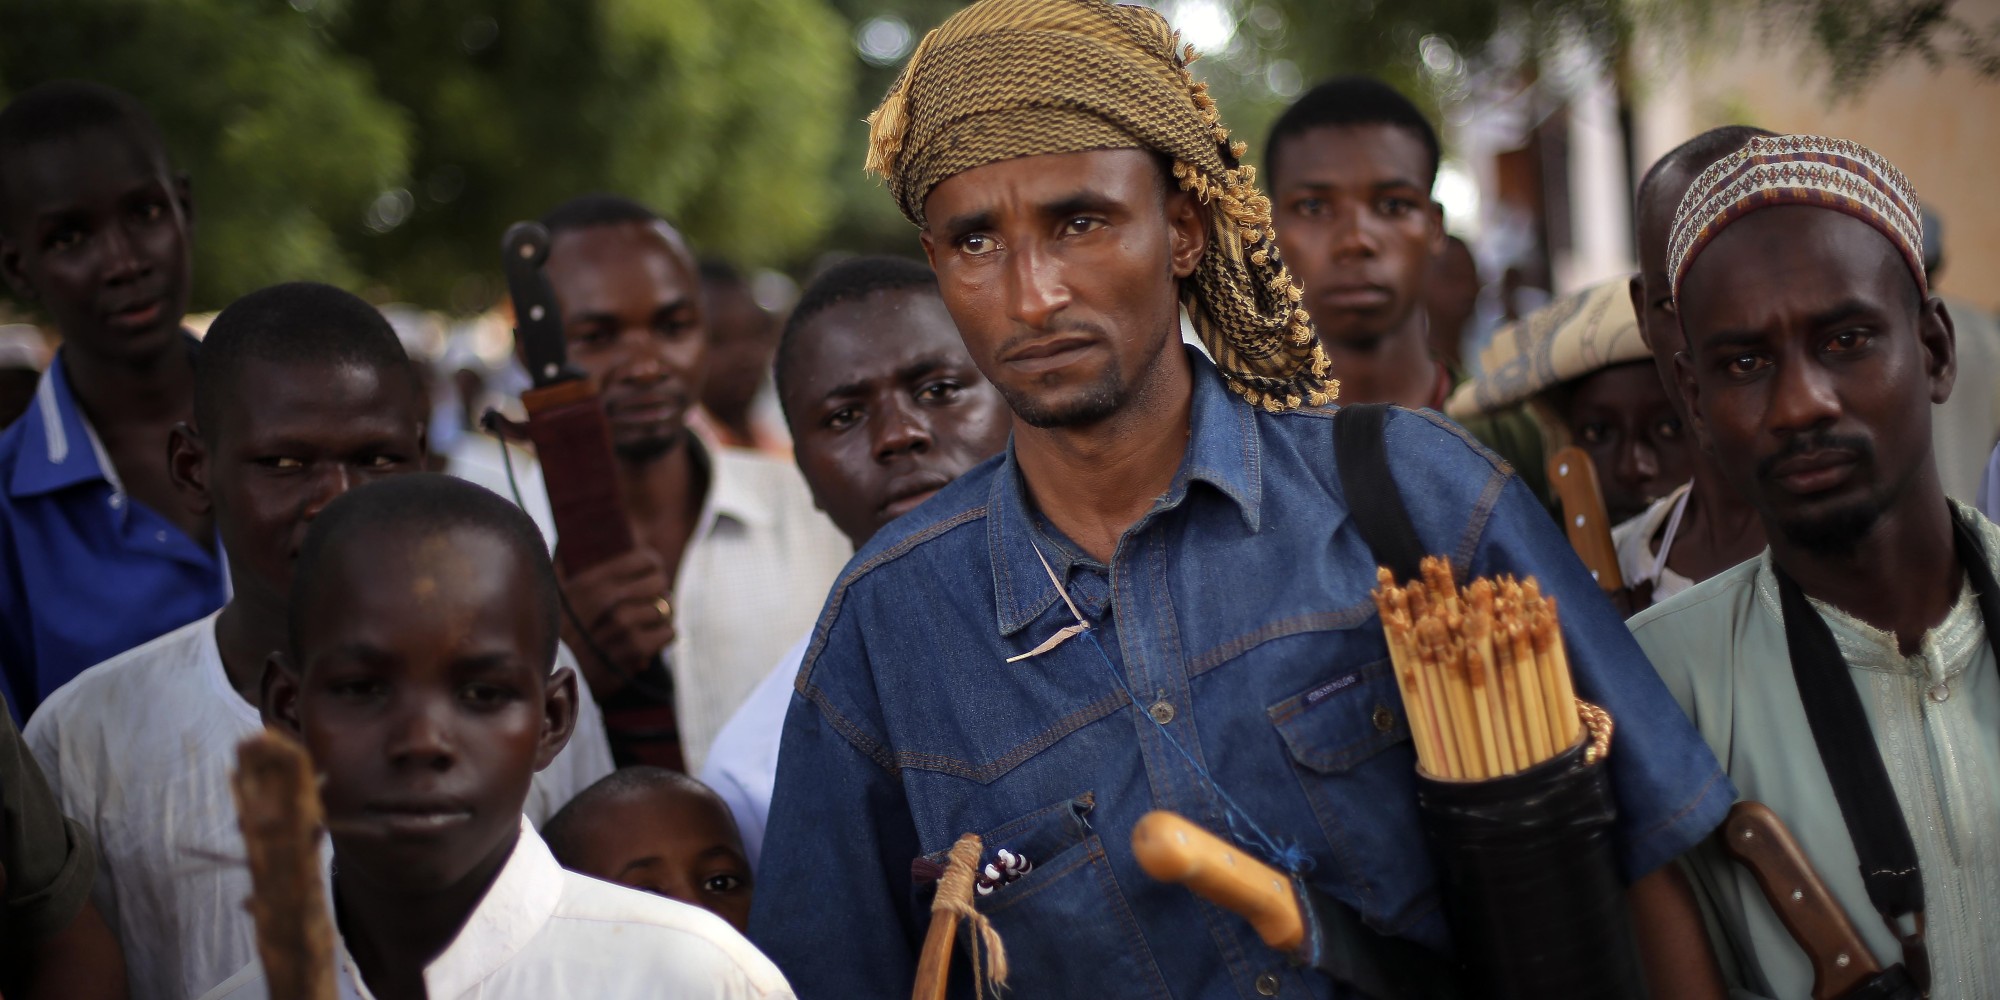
<point x="1384" y="719"/>
<point x="1267" y="984"/>
<point x="1162" y="711"/>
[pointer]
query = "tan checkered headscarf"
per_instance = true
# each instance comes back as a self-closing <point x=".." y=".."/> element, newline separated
<point x="1009" y="78"/>
<point x="1798" y="170"/>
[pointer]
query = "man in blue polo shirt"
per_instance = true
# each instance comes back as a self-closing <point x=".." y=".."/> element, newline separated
<point x="1156" y="597"/>
<point x="97" y="553"/>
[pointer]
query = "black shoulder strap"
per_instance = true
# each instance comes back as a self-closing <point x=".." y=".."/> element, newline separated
<point x="1361" y="454"/>
<point x="1841" y="731"/>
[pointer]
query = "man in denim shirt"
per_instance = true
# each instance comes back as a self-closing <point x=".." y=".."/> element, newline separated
<point x="1204" y="541"/>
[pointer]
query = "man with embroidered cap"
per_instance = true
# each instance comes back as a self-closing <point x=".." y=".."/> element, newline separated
<point x="1845" y="677"/>
<point x="1155" y="598"/>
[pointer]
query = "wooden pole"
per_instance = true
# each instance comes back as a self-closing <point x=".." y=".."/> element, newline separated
<point x="278" y="809"/>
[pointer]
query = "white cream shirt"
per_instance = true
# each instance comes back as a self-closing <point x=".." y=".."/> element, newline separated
<point x="139" y="750"/>
<point x="1720" y="647"/>
<point x="541" y="931"/>
<point x="742" y="765"/>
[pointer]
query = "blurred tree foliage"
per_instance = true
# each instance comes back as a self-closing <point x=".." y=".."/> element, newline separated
<point x="384" y="144"/>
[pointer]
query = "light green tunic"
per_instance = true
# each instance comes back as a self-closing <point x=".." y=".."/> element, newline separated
<point x="1720" y="647"/>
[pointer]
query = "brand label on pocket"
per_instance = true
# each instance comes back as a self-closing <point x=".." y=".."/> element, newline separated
<point x="1331" y="688"/>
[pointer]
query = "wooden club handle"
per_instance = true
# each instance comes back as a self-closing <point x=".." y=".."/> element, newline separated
<point x="1588" y="524"/>
<point x="1172" y="849"/>
<point x="1755" y="837"/>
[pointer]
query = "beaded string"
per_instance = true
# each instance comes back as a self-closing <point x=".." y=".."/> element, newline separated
<point x="1288" y="856"/>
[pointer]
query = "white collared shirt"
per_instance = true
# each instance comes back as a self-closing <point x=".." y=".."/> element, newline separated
<point x="742" y="765"/>
<point x="541" y="931"/>
<point x="139" y="750"/>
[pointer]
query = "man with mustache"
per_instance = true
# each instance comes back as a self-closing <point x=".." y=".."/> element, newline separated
<point x="1847" y="676"/>
<point x="1158" y="596"/>
<point x="1351" y="164"/>
<point x="97" y="554"/>
<point x="733" y="561"/>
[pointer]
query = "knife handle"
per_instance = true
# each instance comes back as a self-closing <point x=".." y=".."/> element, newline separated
<point x="1574" y="478"/>
<point x="1172" y="849"/>
<point x="1755" y="837"/>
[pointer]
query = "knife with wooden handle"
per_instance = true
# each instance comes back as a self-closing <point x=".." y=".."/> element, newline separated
<point x="1755" y="837"/>
<point x="1172" y="849"/>
<point x="1574" y="478"/>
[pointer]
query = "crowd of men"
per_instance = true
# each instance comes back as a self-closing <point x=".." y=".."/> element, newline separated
<point x="1025" y="560"/>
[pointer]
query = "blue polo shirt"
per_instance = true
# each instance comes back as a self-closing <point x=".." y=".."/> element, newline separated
<point x="1237" y="612"/>
<point x="85" y="573"/>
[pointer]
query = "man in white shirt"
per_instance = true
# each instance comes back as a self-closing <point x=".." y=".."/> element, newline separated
<point x="732" y="559"/>
<point x="885" y="407"/>
<point x="424" y="616"/>
<point x="1846" y="677"/>
<point x="302" y="392"/>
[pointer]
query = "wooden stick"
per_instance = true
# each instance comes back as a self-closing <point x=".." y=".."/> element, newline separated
<point x="278" y="810"/>
<point x="1549" y="636"/>
<point x="954" y="898"/>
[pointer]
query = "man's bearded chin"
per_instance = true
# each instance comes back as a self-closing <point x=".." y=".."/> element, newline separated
<point x="1835" y="532"/>
<point x="1087" y="405"/>
<point x="652" y="446"/>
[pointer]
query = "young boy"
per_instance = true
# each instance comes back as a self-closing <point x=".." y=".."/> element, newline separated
<point x="302" y="392"/>
<point x="424" y="621"/>
<point x="97" y="554"/>
<point x="885" y="408"/>
<point x="660" y="831"/>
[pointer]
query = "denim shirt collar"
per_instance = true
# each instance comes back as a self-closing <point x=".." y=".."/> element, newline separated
<point x="1222" y="452"/>
<point x="58" y="447"/>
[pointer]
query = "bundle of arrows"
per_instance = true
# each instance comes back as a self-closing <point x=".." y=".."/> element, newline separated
<point x="1484" y="678"/>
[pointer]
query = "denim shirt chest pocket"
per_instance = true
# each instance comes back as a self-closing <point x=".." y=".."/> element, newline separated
<point x="1068" y="929"/>
<point x="1351" y="752"/>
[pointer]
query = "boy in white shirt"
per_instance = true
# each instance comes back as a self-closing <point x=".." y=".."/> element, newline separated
<point x="423" y="622"/>
<point x="302" y="392"/>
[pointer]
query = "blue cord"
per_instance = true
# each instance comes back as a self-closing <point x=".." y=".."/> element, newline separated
<point x="1287" y="855"/>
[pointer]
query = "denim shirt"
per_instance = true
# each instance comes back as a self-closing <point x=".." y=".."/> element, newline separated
<point x="1238" y="610"/>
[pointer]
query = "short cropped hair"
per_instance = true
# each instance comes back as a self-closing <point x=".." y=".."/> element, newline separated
<point x="588" y="210"/>
<point x="566" y="830"/>
<point x="421" y="505"/>
<point x="1350" y="101"/>
<point x="59" y="109"/>
<point x="850" y="280"/>
<point x="1698" y="153"/>
<point x="297" y="323"/>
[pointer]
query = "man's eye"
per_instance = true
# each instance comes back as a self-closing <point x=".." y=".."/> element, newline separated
<point x="357" y="689"/>
<point x="1080" y="225"/>
<point x="281" y="463"/>
<point x="595" y="336"/>
<point x="64" y="239"/>
<point x="1848" y="340"/>
<point x="842" y="419"/>
<point x="385" y="461"/>
<point x="722" y="883"/>
<point x="1593" y="433"/>
<point x="486" y="695"/>
<point x="976" y="245"/>
<point x="1309" y="207"/>
<point x="152" y="211"/>
<point x="1744" y="364"/>
<point x="1668" y="429"/>
<point x="938" y="392"/>
<point x="1394" y="207"/>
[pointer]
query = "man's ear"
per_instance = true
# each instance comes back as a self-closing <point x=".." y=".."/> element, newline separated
<point x="15" y="270"/>
<point x="1691" y="399"/>
<point x="1939" y="335"/>
<point x="187" y="466"/>
<point x="1437" y="234"/>
<point x="278" y="695"/>
<point x="184" y="193"/>
<point x="1635" y="289"/>
<point x="930" y="249"/>
<point x="559" y="706"/>
<point x="1189" y="221"/>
